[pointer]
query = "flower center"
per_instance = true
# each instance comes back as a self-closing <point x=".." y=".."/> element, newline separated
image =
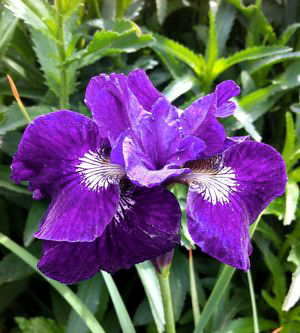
<point x="97" y="172"/>
<point x="212" y="179"/>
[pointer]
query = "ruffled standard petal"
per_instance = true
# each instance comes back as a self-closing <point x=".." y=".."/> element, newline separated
<point x="143" y="89"/>
<point x="114" y="107"/>
<point x="145" y="226"/>
<point x="63" y="156"/>
<point x="227" y="193"/>
<point x="224" y="92"/>
<point x="199" y="120"/>
<point x="155" y="149"/>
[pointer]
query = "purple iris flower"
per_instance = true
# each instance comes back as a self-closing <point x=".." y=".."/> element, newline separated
<point x="109" y="209"/>
<point x="230" y="180"/>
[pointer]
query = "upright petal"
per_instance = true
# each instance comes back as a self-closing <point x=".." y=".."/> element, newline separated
<point x="145" y="226"/>
<point x="143" y="89"/>
<point x="227" y="193"/>
<point x="114" y="107"/>
<point x="155" y="148"/>
<point x="224" y="92"/>
<point x="199" y="120"/>
<point x="63" y="156"/>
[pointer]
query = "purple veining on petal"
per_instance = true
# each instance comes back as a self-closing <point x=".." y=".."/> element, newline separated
<point x="227" y="193"/>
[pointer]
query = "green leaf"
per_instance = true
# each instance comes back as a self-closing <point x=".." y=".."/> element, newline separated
<point x="269" y="61"/>
<point x="288" y="33"/>
<point x="33" y="220"/>
<point x="224" y="21"/>
<point x="161" y="10"/>
<point x="36" y="13"/>
<point x="293" y="294"/>
<point x="10" y="291"/>
<point x="10" y="141"/>
<point x="111" y="42"/>
<point x="196" y="62"/>
<point x="245" y="325"/>
<point x="13" y="118"/>
<point x="248" y="54"/>
<point x="6" y="182"/>
<point x="269" y="232"/>
<point x="180" y="86"/>
<point x="212" y="45"/>
<point x="290" y="138"/>
<point x="8" y="23"/>
<point x="70" y="6"/>
<point x="13" y="268"/>
<point x="150" y="283"/>
<point x="48" y="56"/>
<point x="123" y="316"/>
<point x="90" y="292"/>
<point x="38" y="324"/>
<point x="292" y="197"/>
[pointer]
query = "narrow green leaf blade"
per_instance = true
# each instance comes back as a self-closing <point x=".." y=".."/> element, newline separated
<point x="123" y="316"/>
<point x="161" y="10"/>
<point x="212" y="45"/>
<point x="292" y="197"/>
<point x="150" y="283"/>
<point x="290" y="138"/>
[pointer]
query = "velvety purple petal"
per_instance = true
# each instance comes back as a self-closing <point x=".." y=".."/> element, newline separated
<point x="59" y="155"/>
<point x="227" y="193"/>
<point x="145" y="226"/>
<point x="143" y="89"/>
<point x="156" y="147"/>
<point x="224" y="92"/>
<point x="78" y="213"/>
<point x="113" y="105"/>
<point x="69" y="262"/>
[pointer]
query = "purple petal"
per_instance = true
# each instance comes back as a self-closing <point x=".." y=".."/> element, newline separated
<point x="59" y="155"/>
<point x="224" y="92"/>
<point x="227" y="193"/>
<point x="155" y="146"/>
<point x="233" y="140"/>
<point x="113" y="105"/>
<point x="199" y="120"/>
<point x="143" y="89"/>
<point x="145" y="226"/>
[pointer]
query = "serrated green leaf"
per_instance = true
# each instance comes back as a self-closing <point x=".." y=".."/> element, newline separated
<point x="110" y="42"/>
<point x="292" y="196"/>
<point x="161" y="10"/>
<point x="38" y="324"/>
<point x="8" y="23"/>
<point x="224" y="21"/>
<point x="33" y="220"/>
<point x="290" y="138"/>
<point x="248" y="54"/>
<point x="14" y="118"/>
<point x="90" y="292"/>
<point x="10" y="141"/>
<point x="293" y="294"/>
<point x="150" y="283"/>
<point x="196" y="62"/>
<point x="35" y="13"/>
<point x="13" y="268"/>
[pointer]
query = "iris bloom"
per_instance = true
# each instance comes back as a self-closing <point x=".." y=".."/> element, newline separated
<point x="109" y="209"/>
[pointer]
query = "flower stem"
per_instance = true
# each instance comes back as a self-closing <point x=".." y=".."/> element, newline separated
<point x="194" y="295"/>
<point x="167" y="302"/>
<point x="253" y="303"/>
<point x="64" y="94"/>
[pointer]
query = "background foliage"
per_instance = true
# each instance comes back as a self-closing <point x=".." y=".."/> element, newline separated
<point x="52" y="50"/>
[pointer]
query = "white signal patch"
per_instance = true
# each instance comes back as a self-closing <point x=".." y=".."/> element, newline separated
<point x="96" y="171"/>
<point x="214" y="181"/>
